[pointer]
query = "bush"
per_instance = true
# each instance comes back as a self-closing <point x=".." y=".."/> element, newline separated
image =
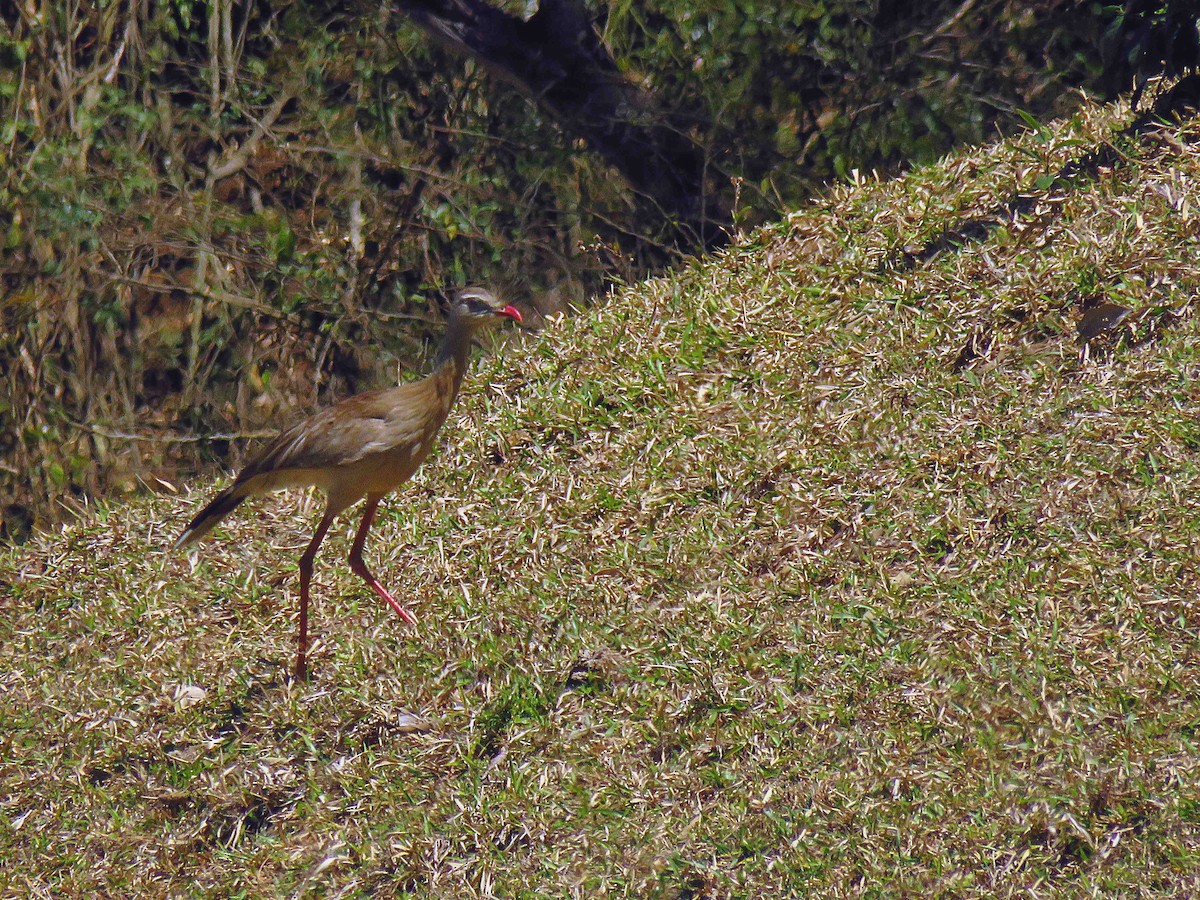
<point x="216" y="216"/>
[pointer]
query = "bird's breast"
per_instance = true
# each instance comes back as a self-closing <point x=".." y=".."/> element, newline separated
<point x="379" y="473"/>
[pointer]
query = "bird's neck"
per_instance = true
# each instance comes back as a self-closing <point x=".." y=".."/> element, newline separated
<point x="455" y="350"/>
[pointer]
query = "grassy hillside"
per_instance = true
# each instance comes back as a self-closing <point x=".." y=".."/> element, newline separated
<point x="793" y="573"/>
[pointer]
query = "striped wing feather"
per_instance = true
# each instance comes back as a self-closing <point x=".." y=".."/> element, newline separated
<point x="366" y="445"/>
<point x="379" y="423"/>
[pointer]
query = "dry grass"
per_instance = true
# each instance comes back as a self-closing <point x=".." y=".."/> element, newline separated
<point x="734" y="587"/>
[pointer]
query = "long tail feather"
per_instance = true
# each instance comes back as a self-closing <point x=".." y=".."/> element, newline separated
<point x="206" y="520"/>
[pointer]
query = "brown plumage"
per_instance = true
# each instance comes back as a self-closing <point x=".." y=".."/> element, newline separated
<point x="365" y="446"/>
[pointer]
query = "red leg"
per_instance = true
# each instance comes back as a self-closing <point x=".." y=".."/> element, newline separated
<point x="360" y="568"/>
<point x="306" y="570"/>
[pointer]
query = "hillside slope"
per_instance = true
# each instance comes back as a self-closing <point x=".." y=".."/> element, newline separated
<point x="790" y="573"/>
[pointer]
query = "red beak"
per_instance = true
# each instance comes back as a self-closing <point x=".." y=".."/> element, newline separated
<point x="511" y="311"/>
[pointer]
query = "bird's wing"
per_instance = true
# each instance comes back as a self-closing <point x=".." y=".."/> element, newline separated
<point x="354" y="429"/>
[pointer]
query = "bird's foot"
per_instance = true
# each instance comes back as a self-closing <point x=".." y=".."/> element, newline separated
<point x="394" y="604"/>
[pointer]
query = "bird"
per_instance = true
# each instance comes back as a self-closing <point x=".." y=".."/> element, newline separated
<point x="363" y="447"/>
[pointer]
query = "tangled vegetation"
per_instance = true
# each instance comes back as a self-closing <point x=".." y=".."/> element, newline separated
<point x="217" y="215"/>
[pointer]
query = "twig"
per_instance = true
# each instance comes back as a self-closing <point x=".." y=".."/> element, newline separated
<point x="242" y="155"/>
<point x="171" y="438"/>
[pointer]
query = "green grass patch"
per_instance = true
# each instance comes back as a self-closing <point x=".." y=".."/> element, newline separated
<point x="748" y="583"/>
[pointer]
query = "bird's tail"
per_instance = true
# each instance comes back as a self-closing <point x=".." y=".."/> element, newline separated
<point x="206" y="520"/>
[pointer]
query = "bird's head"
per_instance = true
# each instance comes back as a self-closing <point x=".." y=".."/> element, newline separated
<point x="478" y="306"/>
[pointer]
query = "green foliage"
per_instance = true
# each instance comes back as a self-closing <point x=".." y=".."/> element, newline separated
<point x="800" y="92"/>
<point x="221" y="191"/>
